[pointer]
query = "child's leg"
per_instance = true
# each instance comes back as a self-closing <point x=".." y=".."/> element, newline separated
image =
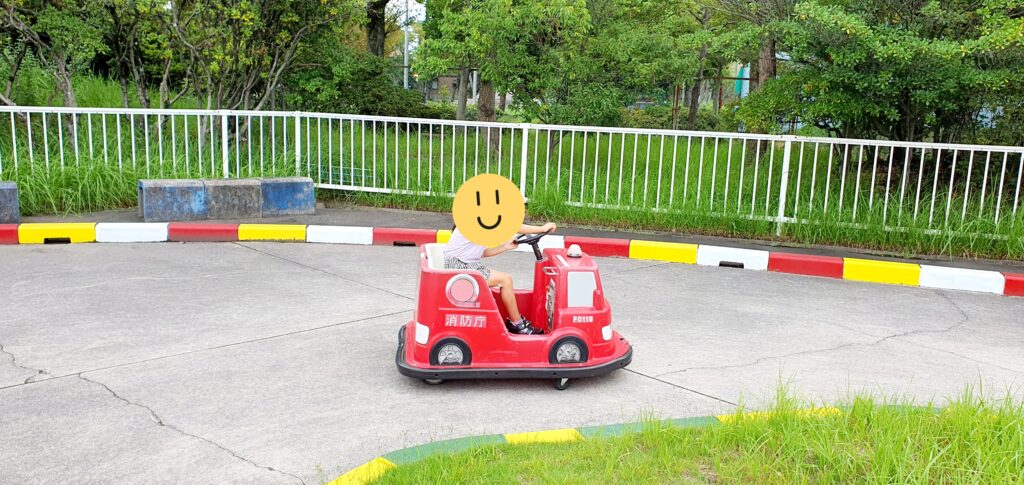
<point x="507" y="295"/>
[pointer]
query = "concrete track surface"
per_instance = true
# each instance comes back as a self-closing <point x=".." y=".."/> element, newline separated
<point x="274" y="363"/>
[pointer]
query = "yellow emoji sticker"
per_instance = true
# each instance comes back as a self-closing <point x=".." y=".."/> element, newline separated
<point x="488" y="209"/>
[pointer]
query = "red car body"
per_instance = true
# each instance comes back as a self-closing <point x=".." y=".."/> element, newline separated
<point x="458" y="329"/>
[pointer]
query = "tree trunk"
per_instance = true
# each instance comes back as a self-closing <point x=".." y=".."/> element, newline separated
<point x="485" y="105"/>
<point x="501" y="101"/>
<point x="63" y="78"/>
<point x="460" y="106"/>
<point x="717" y="91"/>
<point x="123" y="81"/>
<point x="375" y="26"/>
<point x="485" y="108"/>
<point x="695" y="92"/>
<point x="675" y="107"/>
<point x="766" y="63"/>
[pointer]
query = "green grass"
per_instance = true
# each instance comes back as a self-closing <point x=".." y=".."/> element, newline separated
<point x="968" y="441"/>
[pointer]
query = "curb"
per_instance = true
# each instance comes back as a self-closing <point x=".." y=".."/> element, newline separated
<point x="855" y="269"/>
<point x="377" y="467"/>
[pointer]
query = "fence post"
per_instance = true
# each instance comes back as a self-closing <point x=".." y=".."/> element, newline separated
<point x="786" y="152"/>
<point x="298" y="145"/>
<point x="224" y="143"/>
<point x="523" y="160"/>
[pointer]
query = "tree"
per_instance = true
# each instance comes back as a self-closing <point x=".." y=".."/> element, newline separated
<point x="62" y="35"/>
<point x="909" y="71"/>
<point x="239" y="53"/>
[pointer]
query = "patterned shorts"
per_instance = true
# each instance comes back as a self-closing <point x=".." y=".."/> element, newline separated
<point x="455" y="263"/>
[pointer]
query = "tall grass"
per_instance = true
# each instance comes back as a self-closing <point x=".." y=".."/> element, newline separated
<point x="870" y="441"/>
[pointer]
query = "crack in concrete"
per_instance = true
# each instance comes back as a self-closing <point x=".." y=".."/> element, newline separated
<point x="878" y="341"/>
<point x="319" y="270"/>
<point x="14" y="362"/>
<point x="160" y="422"/>
<point x="627" y="270"/>
<point x="677" y="386"/>
<point x="207" y="349"/>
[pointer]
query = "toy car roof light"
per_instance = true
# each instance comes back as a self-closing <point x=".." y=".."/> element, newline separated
<point x="574" y="251"/>
<point x="463" y="291"/>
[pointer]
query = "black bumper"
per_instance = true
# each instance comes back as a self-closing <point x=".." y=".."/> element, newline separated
<point x="506" y="373"/>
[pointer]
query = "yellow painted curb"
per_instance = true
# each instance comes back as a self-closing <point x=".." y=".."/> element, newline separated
<point x="803" y="413"/>
<point x="443" y="235"/>
<point x="365" y="473"/>
<point x="663" y="251"/>
<point x="550" y="436"/>
<point x="38" y="233"/>
<point x="271" y="232"/>
<point x="881" y="271"/>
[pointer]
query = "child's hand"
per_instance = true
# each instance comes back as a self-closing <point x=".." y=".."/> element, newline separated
<point x="549" y="227"/>
<point x="510" y="245"/>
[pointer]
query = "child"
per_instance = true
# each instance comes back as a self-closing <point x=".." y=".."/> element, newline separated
<point x="461" y="253"/>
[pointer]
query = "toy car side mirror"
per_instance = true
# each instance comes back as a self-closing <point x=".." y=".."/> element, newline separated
<point x="599" y="300"/>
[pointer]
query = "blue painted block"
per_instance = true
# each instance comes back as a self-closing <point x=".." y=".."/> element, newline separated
<point x="172" y="200"/>
<point x="287" y="196"/>
<point x="10" y="212"/>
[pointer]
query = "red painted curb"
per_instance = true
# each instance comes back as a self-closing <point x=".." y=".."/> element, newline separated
<point x="600" y="246"/>
<point x="198" y="232"/>
<point x="8" y="234"/>
<point x="1014" y="284"/>
<point x="392" y="236"/>
<point x="827" y="266"/>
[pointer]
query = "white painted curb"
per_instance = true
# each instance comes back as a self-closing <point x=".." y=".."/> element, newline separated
<point x="128" y="232"/>
<point x="962" y="279"/>
<point x="715" y="255"/>
<point x="552" y="241"/>
<point x="339" y="234"/>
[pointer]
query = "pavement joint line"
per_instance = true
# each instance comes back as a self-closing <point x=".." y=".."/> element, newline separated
<point x="313" y="268"/>
<point x="677" y="386"/>
<point x="377" y="467"/>
<point x="209" y="349"/>
<point x="160" y="422"/>
<point x="872" y="271"/>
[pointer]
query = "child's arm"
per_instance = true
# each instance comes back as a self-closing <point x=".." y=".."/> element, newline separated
<point x="528" y="229"/>
<point x="500" y="249"/>
<point x="524" y="229"/>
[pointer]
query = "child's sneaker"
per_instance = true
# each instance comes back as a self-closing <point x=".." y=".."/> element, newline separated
<point x="522" y="327"/>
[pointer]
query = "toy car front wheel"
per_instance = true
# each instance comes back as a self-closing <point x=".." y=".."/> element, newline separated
<point x="450" y="351"/>
<point x="562" y="384"/>
<point x="569" y="350"/>
<point x="433" y="382"/>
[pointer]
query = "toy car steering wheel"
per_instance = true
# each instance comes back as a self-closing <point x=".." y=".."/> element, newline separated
<point x="532" y="241"/>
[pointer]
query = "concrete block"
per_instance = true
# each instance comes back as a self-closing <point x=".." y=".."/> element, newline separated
<point x="234" y="198"/>
<point x="172" y="200"/>
<point x="10" y="212"/>
<point x="288" y="196"/>
<point x="131" y="232"/>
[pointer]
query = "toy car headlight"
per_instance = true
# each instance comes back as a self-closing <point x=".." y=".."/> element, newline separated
<point x="463" y="291"/>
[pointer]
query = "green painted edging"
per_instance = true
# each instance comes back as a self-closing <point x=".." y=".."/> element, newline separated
<point x="454" y="445"/>
<point x="413" y="454"/>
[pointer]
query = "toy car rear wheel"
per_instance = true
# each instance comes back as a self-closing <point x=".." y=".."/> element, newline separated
<point x="433" y="382"/>
<point x="569" y="350"/>
<point x="450" y="351"/>
<point x="562" y="384"/>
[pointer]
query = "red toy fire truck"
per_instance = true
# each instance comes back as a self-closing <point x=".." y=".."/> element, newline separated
<point x="458" y="330"/>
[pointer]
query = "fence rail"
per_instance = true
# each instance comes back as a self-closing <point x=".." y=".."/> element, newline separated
<point x="786" y="180"/>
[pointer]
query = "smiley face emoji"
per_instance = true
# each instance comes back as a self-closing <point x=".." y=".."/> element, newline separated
<point x="488" y="209"/>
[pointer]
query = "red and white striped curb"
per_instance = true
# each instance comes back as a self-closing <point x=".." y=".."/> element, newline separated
<point x="876" y="271"/>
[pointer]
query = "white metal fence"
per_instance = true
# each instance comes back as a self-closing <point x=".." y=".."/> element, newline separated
<point x="936" y="188"/>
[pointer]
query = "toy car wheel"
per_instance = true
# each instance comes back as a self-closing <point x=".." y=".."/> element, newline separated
<point x="450" y="351"/>
<point x="569" y="350"/>
<point x="562" y="384"/>
<point x="433" y="382"/>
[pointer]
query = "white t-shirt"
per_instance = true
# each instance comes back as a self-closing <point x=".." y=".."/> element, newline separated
<point x="463" y="249"/>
